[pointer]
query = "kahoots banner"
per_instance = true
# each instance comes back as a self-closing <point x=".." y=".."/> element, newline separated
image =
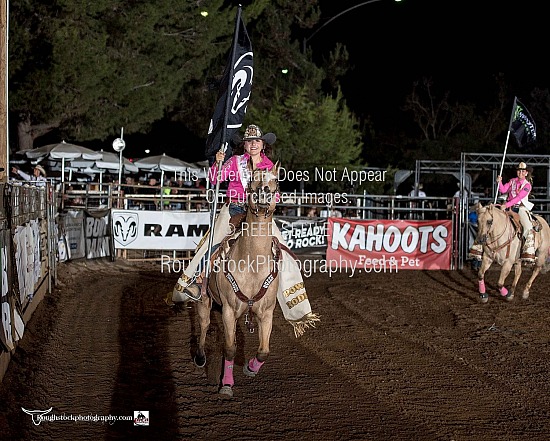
<point x="386" y="245"/>
<point x="158" y="230"/>
<point x="304" y="235"/>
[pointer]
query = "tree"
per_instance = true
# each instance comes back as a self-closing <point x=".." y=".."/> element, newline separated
<point x="86" y="69"/>
<point x="89" y="68"/>
<point x="313" y="135"/>
<point x="451" y="128"/>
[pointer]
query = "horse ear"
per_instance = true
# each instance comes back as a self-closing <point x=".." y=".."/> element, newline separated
<point x="275" y="168"/>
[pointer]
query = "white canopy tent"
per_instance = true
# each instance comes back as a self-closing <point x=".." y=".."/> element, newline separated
<point x="165" y="163"/>
<point x="64" y="151"/>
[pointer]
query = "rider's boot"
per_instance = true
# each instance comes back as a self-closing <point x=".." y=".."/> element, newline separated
<point x="476" y="252"/>
<point x="186" y="289"/>
<point x="528" y="251"/>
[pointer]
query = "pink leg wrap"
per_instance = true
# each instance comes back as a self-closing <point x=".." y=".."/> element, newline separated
<point x="503" y="291"/>
<point x="254" y="365"/>
<point x="482" y="286"/>
<point x="227" y="379"/>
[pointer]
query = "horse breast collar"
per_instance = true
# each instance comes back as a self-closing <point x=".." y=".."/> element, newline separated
<point x="513" y="232"/>
<point x="267" y="282"/>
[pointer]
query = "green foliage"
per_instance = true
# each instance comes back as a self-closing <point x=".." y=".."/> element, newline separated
<point x="313" y="135"/>
<point x="106" y="64"/>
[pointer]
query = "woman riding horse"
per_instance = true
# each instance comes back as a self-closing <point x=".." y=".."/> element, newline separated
<point x="517" y="190"/>
<point x="498" y="236"/>
<point x="238" y="170"/>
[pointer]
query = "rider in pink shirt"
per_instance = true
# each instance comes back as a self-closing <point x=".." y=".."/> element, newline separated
<point x="238" y="171"/>
<point x="517" y="191"/>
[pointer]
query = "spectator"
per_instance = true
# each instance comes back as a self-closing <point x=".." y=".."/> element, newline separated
<point x="312" y="212"/>
<point x="420" y="194"/>
<point x="151" y="191"/>
<point x="38" y="177"/>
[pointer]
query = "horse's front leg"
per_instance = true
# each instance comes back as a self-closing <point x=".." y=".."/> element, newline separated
<point x="517" y="275"/>
<point x="506" y="268"/>
<point x="485" y="264"/>
<point x="536" y="271"/>
<point x="203" y="310"/>
<point x="230" y="348"/>
<point x="265" y="325"/>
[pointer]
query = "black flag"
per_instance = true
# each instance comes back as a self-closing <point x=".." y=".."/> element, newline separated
<point x="522" y="125"/>
<point x="234" y="93"/>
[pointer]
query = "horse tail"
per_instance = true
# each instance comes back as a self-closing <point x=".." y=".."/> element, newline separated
<point x="546" y="265"/>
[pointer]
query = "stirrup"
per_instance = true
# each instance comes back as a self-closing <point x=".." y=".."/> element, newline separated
<point x="528" y="258"/>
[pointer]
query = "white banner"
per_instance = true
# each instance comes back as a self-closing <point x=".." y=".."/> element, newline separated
<point x="158" y="230"/>
<point x="73" y="224"/>
<point x="97" y="238"/>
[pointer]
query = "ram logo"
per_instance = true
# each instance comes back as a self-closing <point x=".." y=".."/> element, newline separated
<point x="125" y="227"/>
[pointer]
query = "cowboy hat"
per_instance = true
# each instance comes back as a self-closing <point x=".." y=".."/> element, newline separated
<point x="521" y="166"/>
<point x="254" y="132"/>
<point x="40" y="169"/>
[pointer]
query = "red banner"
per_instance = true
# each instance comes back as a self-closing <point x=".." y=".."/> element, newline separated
<point x="389" y="245"/>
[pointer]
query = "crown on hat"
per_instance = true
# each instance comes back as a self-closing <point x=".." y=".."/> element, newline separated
<point x="252" y="132"/>
<point x="522" y="166"/>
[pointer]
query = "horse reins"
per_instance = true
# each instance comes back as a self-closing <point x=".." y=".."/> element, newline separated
<point x="505" y="244"/>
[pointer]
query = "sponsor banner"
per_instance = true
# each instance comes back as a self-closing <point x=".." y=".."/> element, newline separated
<point x="5" y="311"/>
<point x="390" y="244"/>
<point x="73" y="232"/>
<point x="158" y="230"/>
<point x="96" y="233"/>
<point x="304" y="235"/>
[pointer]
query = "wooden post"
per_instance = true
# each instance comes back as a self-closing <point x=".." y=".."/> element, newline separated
<point x="4" y="148"/>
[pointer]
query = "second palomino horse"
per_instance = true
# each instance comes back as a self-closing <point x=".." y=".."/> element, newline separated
<point x="245" y="279"/>
<point x="502" y="240"/>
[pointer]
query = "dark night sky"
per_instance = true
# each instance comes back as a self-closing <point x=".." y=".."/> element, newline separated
<point x="460" y="44"/>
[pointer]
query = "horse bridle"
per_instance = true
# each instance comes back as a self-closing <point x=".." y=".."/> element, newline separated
<point x="485" y="242"/>
<point x="261" y="193"/>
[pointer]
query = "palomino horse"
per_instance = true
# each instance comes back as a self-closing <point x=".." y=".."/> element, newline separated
<point x="244" y="279"/>
<point x="502" y="242"/>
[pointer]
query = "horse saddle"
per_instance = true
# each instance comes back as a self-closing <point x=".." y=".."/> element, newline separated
<point x="514" y="218"/>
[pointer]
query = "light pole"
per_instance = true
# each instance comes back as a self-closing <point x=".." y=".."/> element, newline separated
<point x="335" y="17"/>
<point x="118" y="146"/>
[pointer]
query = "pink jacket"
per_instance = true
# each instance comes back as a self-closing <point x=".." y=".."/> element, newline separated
<point x="517" y="189"/>
<point x="236" y="171"/>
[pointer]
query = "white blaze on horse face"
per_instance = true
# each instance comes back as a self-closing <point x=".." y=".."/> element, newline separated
<point x="484" y="224"/>
<point x="263" y="189"/>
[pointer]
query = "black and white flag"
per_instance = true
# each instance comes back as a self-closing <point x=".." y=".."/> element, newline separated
<point x="233" y="95"/>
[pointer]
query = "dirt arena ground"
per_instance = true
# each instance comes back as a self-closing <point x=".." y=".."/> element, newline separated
<point x="397" y="356"/>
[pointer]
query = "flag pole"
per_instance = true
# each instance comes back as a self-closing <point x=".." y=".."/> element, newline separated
<point x="223" y="148"/>
<point x="506" y="144"/>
